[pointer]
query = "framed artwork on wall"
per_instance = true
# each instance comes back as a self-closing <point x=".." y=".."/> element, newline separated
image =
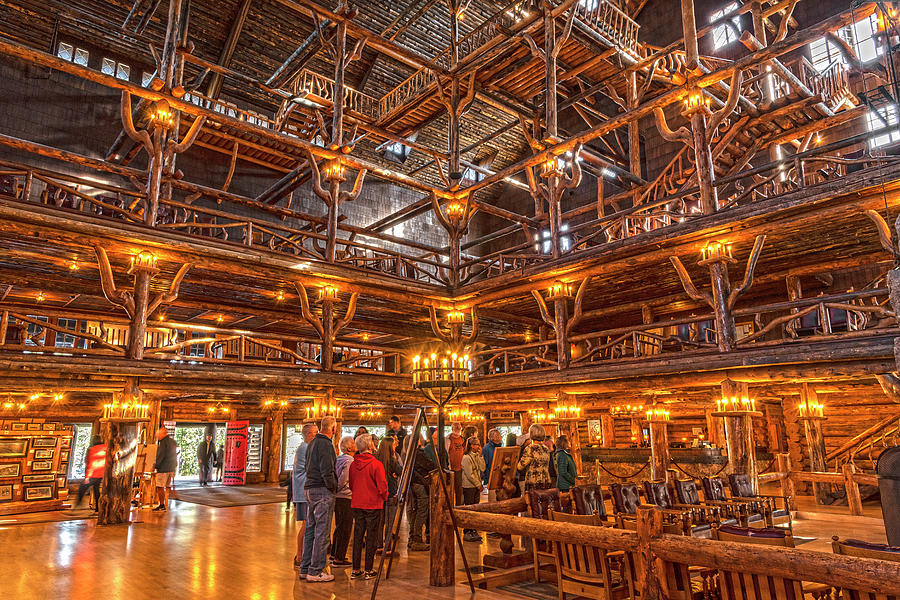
<point x="8" y="470"/>
<point x="18" y="426"/>
<point x="48" y="426"/>
<point x="34" y="427"/>
<point x="6" y="493"/>
<point x="13" y="447"/>
<point x="38" y="492"/>
<point x="66" y="443"/>
<point x="43" y="442"/>
<point x="37" y="478"/>
<point x="64" y="456"/>
<point x="42" y="465"/>
<point x="44" y="453"/>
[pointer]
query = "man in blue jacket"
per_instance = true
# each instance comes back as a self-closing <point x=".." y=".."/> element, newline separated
<point x="308" y="432"/>
<point x="321" y="486"/>
<point x="494" y="442"/>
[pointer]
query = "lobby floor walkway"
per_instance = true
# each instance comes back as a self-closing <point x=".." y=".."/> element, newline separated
<point x="196" y="551"/>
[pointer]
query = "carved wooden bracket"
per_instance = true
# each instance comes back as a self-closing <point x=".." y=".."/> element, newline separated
<point x="733" y="296"/>
<point x="454" y="336"/>
<point x="316" y="322"/>
<point x="125" y="299"/>
<point x="576" y="314"/>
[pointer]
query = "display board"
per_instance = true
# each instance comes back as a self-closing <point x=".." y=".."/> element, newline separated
<point x="34" y="465"/>
<point x="254" y="448"/>
<point x="236" y="434"/>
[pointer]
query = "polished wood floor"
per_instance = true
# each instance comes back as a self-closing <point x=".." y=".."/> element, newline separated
<point x="195" y="551"/>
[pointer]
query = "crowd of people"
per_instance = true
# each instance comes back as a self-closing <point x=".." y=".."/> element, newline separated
<point x="358" y="488"/>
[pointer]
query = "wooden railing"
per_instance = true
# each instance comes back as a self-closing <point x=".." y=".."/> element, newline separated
<point x="319" y="88"/>
<point x="654" y="554"/>
<point x="847" y="477"/>
<point x="611" y="22"/>
<point x="60" y="190"/>
<point x="409" y="88"/>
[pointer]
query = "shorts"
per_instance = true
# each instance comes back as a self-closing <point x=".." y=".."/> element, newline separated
<point x="164" y="479"/>
<point x="300" y="507"/>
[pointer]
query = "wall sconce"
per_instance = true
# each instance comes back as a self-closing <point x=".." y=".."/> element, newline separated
<point x="40" y="297"/>
<point x="370" y="413"/>
<point x="328" y="292"/>
<point x="73" y="266"/>
<point x="143" y="261"/>
<point x="695" y="102"/>
<point x="657" y="415"/>
<point x="455" y="210"/>
<point x="218" y="408"/>
<point x="456" y="317"/>
<point x="334" y="170"/>
<point x="811" y="410"/>
<point x="559" y="291"/>
<point x="567" y="411"/>
<point x="626" y="410"/>
<point x="736" y="405"/>
<point x="716" y="251"/>
<point x="279" y="296"/>
<point x="163" y="115"/>
<point x="540" y="416"/>
<point x="552" y="167"/>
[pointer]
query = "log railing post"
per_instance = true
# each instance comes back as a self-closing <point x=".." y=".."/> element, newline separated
<point x="443" y="557"/>
<point x="4" y="325"/>
<point x="788" y="489"/>
<point x="854" y="499"/>
<point x="815" y="441"/>
<point x="649" y="528"/>
<point x="659" y="450"/>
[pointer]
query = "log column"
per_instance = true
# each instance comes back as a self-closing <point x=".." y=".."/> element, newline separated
<point x="721" y="290"/>
<point x="739" y="440"/>
<point x="607" y="431"/>
<point x="114" y="505"/>
<point x="443" y="556"/>
<point x="815" y="441"/>
<point x="137" y="332"/>
<point x="659" y="449"/>
<point x="273" y="466"/>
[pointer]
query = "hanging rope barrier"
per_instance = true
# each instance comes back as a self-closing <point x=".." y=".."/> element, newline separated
<point x="626" y="477"/>
<point x="716" y="474"/>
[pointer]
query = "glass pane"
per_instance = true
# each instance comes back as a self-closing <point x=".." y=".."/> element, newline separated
<point x="81" y="57"/>
<point x="80" y="446"/>
<point x="123" y="71"/>
<point x="254" y="448"/>
<point x="108" y="66"/>
<point x="65" y="51"/>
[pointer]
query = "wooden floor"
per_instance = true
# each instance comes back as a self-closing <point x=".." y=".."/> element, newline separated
<point x="195" y="551"/>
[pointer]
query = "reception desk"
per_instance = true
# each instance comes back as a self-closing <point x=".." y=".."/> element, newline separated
<point x="609" y="465"/>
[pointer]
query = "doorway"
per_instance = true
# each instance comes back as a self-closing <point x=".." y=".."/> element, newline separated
<point x="188" y="436"/>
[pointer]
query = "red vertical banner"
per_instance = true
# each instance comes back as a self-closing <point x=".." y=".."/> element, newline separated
<point x="235" y="470"/>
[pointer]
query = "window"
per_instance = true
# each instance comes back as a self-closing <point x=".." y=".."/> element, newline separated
<point x="472" y="176"/>
<point x="861" y="36"/>
<point x="146" y="78"/>
<point x="396" y="151"/>
<point x="69" y="52"/>
<point x="80" y="446"/>
<point x="254" y="448"/>
<point x="116" y="69"/>
<point x="196" y="349"/>
<point x="880" y="118"/>
<point x="545" y="244"/>
<point x="64" y="340"/>
<point x="34" y="330"/>
<point x="727" y="32"/>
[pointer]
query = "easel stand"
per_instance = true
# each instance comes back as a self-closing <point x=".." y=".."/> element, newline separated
<point x="402" y="498"/>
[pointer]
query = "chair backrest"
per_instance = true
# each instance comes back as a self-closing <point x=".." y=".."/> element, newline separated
<point x="741" y="485"/>
<point x="657" y="492"/>
<point x="764" y="536"/>
<point x="865" y="549"/>
<point x="626" y="497"/>
<point x="737" y="585"/>
<point x="588" y="500"/>
<point x="541" y="501"/>
<point x="588" y="567"/>
<point x="686" y="491"/>
<point x="714" y="489"/>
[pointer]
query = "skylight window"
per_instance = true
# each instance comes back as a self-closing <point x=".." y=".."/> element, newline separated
<point x="880" y="118"/>
<point x="725" y="34"/>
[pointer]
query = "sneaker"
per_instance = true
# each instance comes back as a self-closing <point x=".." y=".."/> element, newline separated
<point x="160" y="508"/>
<point x="303" y="576"/>
<point x="340" y="563"/>
<point x="297" y="565"/>
<point x="323" y="576"/>
<point x="371" y="574"/>
<point x="356" y="574"/>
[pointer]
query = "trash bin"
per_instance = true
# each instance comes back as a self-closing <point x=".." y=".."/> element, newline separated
<point x="888" y="469"/>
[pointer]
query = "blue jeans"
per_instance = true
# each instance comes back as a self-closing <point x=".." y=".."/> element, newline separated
<point x="319" y="510"/>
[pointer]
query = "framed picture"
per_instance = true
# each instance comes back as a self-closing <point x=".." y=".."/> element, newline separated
<point x="43" y="442"/>
<point x="38" y="492"/>
<point x="44" y="453"/>
<point x="8" y="470"/>
<point x="48" y="426"/>
<point x="42" y="465"/>
<point x="37" y="478"/>
<point x="6" y="493"/>
<point x="66" y="443"/>
<point x="33" y="427"/>
<point x="505" y="457"/>
<point x="594" y="431"/>
<point x="13" y="447"/>
<point x="18" y="426"/>
<point x="64" y="457"/>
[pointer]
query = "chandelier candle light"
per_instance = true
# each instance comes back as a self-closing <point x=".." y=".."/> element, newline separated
<point x="126" y="411"/>
<point x="658" y="415"/>
<point x="736" y="404"/>
<point x="320" y="408"/>
<point x="626" y="410"/>
<point x="810" y="409"/>
<point x="440" y="378"/>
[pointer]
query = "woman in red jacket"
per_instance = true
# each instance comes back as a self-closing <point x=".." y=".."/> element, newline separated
<point x="368" y="491"/>
<point x="94" y="465"/>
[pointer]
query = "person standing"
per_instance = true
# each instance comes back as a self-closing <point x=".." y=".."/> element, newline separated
<point x="206" y="457"/>
<point x="94" y="465"/>
<point x="298" y="483"/>
<point x="472" y="472"/>
<point x="387" y="456"/>
<point x="487" y="453"/>
<point x="165" y="466"/>
<point x="368" y="491"/>
<point x="417" y="503"/>
<point x="455" y="452"/>
<point x="220" y="462"/>
<point x="535" y="460"/>
<point x="321" y="485"/>
<point x="565" y="465"/>
<point x="343" y="513"/>
<point x="399" y="431"/>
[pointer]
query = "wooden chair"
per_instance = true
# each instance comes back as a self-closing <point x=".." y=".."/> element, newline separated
<point x="626" y="498"/>
<point x="863" y="549"/>
<point x="693" y="523"/>
<point x="687" y="495"/>
<point x="742" y="489"/>
<point x="590" y="572"/>
<point x="764" y="536"/>
<point x="748" y="513"/>
<point x="540" y="503"/>
<point x="588" y="500"/>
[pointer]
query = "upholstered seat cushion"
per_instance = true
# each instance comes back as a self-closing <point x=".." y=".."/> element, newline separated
<point x="870" y="546"/>
<point x="686" y="491"/>
<point x="540" y="501"/>
<point x="657" y="492"/>
<point x="588" y="500"/>
<point x="626" y="497"/>
<point x="771" y="533"/>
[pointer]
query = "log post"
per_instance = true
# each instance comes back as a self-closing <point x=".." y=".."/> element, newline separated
<point x="114" y="505"/>
<point x="561" y="318"/>
<point x="327" y="358"/>
<point x="443" y="556"/>
<point x="815" y="443"/>
<point x="137" y="332"/>
<point x="721" y="291"/>
<point x="607" y="431"/>
<point x="783" y="462"/>
<point x="637" y="432"/>
<point x="715" y="429"/>
<point x="659" y="450"/>
<point x="273" y="467"/>
<point x="649" y="528"/>
<point x="739" y="439"/>
<point x="854" y="500"/>
<point x="689" y="27"/>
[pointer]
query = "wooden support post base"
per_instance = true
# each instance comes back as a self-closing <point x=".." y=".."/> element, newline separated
<point x="443" y="556"/>
<point x="507" y="561"/>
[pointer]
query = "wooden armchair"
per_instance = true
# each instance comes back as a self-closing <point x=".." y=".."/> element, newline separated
<point x="742" y="489"/>
<point x="688" y="495"/>
<point x="764" y="536"/>
<point x="749" y="513"/>
<point x="588" y="571"/>
<point x="540" y="503"/>
<point x="865" y="550"/>
<point x="588" y="500"/>
<point x="693" y="521"/>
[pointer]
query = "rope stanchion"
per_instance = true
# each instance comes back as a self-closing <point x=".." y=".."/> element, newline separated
<point x="716" y="474"/>
<point x="626" y="477"/>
